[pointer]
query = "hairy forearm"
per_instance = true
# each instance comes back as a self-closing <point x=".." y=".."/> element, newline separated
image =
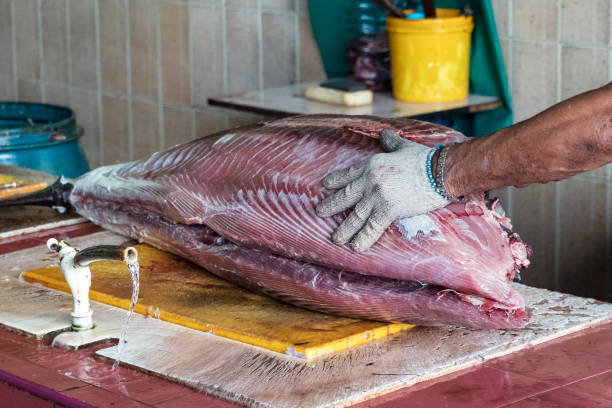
<point x="571" y="137"/>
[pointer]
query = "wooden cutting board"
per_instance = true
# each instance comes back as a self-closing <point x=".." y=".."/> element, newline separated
<point x="180" y="292"/>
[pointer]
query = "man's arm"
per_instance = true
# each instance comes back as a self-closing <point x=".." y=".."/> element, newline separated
<point x="571" y="137"/>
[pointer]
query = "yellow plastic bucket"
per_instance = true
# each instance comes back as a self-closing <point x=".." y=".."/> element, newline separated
<point x="430" y="58"/>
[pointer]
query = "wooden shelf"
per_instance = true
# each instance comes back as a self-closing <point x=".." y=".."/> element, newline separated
<point x="290" y="100"/>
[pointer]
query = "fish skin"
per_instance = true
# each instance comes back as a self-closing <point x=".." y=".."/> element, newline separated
<point x="258" y="185"/>
<point x="307" y="285"/>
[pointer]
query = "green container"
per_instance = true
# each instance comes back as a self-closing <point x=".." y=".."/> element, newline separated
<point x="41" y="137"/>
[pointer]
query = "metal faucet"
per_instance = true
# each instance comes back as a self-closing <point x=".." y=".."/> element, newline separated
<point x="74" y="265"/>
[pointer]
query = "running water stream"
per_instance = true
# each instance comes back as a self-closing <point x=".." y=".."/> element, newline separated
<point x="134" y="269"/>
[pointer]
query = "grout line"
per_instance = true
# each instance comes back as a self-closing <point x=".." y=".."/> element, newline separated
<point x="510" y="195"/>
<point x="114" y="94"/>
<point x="552" y="386"/>
<point x="99" y="84"/>
<point x="557" y="254"/>
<point x="559" y="52"/>
<point x="610" y="55"/>
<point x="610" y="27"/>
<point x="592" y="179"/>
<point x="136" y="98"/>
<point x="558" y="185"/>
<point x="160" y="81"/>
<point x="510" y="67"/>
<point x="296" y="23"/>
<point x="510" y="203"/>
<point x="588" y="377"/>
<point x="260" y="61"/>
<point x="192" y="90"/>
<point x="225" y="57"/>
<point x="68" y="47"/>
<point x="224" y="48"/>
<point x="510" y="55"/>
<point x="41" y="54"/>
<point x="192" y="114"/>
<point x="512" y="402"/>
<point x="608" y="261"/>
<point x="14" y="50"/>
<point x="510" y="18"/>
<point x="128" y="81"/>
<point x="272" y="10"/>
<point x="555" y="42"/>
<point x="610" y="62"/>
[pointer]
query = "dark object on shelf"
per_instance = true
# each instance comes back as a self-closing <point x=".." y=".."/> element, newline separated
<point x="429" y="7"/>
<point x="343" y="84"/>
<point x="389" y="7"/>
<point x="467" y="11"/>
<point x="369" y="61"/>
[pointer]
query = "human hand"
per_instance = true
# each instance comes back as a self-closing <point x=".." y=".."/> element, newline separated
<point x="382" y="188"/>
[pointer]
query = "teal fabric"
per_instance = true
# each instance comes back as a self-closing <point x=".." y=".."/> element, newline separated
<point x="487" y="73"/>
<point x="330" y="32"/>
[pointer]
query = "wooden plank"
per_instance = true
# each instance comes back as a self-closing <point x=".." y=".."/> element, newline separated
<point x="22" y="220"/>
<point x="39" y="322"/>
<point x="180" y="292"/>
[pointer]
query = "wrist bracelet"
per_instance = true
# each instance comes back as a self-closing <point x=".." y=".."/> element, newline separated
<point x="439" y="174"/>
<point x="430" y="175"/>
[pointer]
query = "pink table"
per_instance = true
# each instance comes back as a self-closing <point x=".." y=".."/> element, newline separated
<point x="573" y="371"/>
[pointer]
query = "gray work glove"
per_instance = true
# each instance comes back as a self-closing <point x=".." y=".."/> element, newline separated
<point x="383" y="188"/>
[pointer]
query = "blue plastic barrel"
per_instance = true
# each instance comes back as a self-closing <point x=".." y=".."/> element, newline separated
<point x="41" y="137"/>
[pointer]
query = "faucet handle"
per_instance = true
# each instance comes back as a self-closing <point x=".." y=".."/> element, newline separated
<point x="54" y="245"/>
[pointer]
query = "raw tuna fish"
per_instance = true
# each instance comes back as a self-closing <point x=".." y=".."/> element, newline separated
<point x="241" y="204"/>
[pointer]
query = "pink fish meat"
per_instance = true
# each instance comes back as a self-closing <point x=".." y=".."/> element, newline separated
<point x="241" y="204"/>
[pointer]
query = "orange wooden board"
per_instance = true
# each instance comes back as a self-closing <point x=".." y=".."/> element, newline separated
<point x="180" y="292"/>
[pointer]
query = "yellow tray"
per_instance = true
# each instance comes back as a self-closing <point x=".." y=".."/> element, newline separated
<point x="11" y="187"/>
<point x="180" y="292"/>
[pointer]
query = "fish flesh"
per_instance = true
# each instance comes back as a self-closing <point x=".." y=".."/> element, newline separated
<point x="241" y="203"/>
<point x="256" y="188"/>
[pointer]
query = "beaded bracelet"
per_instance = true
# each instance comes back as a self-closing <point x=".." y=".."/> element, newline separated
<point x="437" y="180"/>
<point x="430" y="176"/>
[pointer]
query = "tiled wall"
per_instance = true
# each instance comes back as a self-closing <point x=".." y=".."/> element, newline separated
<point x="554" y="49"/>
<point x="138" y="72"/>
